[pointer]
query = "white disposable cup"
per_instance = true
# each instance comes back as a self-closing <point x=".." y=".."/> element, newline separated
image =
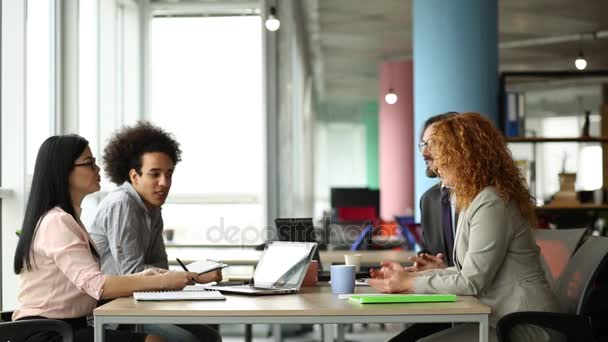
<point x="353" y="259"/>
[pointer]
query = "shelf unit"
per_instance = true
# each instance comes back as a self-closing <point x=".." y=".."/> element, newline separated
<point x="565" y="77"/>
<point x="534" y="140"/>
<point x="528" y="77"/>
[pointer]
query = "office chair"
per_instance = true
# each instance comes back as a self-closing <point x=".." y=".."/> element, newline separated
<point x="43" y="329"/>
<point x="556" y="248"/>
<point x="573" y="290"/>
<point x="409" y="231"/>
<point x="364" y="239"/>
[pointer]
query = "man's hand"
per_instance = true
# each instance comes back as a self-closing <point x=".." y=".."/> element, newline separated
<point x="391" y="278"/>
<point x="426" y="262"/>
<point x="209" y="277"/>
<point x="177" y="280"/>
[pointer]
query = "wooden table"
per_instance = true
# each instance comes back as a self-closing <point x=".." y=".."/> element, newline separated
<point x="311" y="306"/>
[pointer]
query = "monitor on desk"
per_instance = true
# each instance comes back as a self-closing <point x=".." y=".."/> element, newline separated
<point x="303" y="230"/>
<point x="355" y="204"/>
<point x="297" y="230"/>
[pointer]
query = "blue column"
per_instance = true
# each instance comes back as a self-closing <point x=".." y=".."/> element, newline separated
<point x="455" y="44"/>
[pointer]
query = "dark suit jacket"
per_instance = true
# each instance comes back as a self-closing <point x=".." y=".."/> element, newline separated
<point x="430" y="219"/>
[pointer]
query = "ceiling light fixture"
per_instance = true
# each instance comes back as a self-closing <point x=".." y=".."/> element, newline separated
<point x="391" y="97"/>
<point x="272" y="23"/>
<point x="580" y="63"/>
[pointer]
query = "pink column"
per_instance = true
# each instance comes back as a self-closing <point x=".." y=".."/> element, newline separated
<point x="396" y="150"/>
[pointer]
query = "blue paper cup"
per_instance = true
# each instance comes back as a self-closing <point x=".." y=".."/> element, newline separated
<point x="342" y="279"/>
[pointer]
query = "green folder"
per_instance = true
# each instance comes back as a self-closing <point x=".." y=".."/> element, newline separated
<point x="402" y="298"/>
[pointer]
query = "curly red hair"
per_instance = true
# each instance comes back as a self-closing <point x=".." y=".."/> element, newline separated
<point x="476" y="152"/>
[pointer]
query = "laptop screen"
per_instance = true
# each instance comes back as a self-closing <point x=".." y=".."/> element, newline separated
<point x="283" y="264"/>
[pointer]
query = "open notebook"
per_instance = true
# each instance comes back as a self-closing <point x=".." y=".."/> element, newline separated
<point x="179" y="295"/>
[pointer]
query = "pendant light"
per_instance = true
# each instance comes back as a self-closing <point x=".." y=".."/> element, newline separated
<point x="391" y="97"/>
<point x="272" y="23"/>
<point x="580" y="63"/>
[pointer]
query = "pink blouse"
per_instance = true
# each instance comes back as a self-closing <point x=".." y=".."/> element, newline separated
<point x="66" y="279"/>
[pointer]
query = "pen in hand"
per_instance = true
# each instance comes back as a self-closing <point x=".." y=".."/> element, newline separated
<point x="185" y="268"/>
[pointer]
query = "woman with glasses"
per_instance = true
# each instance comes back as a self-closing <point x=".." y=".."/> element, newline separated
<point x="57" y="263"/>
<point x="495" y="255"/>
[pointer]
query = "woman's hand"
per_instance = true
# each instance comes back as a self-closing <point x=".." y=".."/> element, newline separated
<point x="151" y="272"/>
<point x="177" y="280"/>
<point x="425" y="262"/>
<point x="209" y="277"/>
<point x="392" y="278"/>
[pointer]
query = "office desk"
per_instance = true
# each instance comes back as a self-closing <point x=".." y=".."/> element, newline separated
<point x="312" y="305"/>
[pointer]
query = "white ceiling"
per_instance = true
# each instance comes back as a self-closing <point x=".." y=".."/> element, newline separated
<point x="350" y="38"/>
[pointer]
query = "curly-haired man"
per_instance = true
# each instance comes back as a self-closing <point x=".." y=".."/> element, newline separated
<point x="127" y="229"/>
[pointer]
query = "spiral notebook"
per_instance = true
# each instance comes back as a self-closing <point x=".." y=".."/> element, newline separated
<point x="178" y="295"/>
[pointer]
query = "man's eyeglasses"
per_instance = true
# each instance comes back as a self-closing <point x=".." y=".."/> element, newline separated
<point x="422" y="145"/>
<point x="90" y="163"/>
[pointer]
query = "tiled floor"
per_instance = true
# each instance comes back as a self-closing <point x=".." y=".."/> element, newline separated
<point x="292" y="333"/>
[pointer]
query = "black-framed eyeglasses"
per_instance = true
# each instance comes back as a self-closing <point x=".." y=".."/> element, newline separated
<point x="422" y="145"/>
<point x="92" y="163"/>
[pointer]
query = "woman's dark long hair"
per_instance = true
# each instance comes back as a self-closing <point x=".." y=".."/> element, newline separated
<point x="50" y="188"/>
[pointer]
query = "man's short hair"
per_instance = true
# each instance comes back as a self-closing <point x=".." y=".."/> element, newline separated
<point x="129" y="144"/>
<point x="435" y="118"/>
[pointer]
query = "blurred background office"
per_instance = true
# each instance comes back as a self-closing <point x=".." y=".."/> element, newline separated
<point x="334" y="98"/>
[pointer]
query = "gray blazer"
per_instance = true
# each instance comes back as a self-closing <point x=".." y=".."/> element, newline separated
<point x="496" y="259"/>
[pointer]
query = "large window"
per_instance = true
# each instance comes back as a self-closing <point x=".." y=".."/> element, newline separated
<point x="108" y="93"/>
<point x="109" y="78"/>
<point x="206" y="89"/>
<point x="40" y="71"/>
<point x="127" y="62"/>
<point x="28" y="108"/>
<point x="87" y="72"/>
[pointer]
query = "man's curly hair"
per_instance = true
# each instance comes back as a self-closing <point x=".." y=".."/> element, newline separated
<point x="470" y="145"/>
<point x="129" y="144"/>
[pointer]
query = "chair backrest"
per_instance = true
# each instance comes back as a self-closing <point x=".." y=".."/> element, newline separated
<point x="575" y="283"/>
<point x="364" y="240"/>
<point x="556" y="248"/>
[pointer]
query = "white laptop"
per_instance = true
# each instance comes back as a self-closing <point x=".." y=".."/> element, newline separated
<point x="281" y="269"/>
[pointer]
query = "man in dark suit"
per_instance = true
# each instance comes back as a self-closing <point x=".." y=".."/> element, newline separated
<point x="436" y="211"/>
<point x="438" y="220"/>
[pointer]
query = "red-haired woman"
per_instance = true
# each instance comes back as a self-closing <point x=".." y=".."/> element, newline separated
<point x="495" y="255"/>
